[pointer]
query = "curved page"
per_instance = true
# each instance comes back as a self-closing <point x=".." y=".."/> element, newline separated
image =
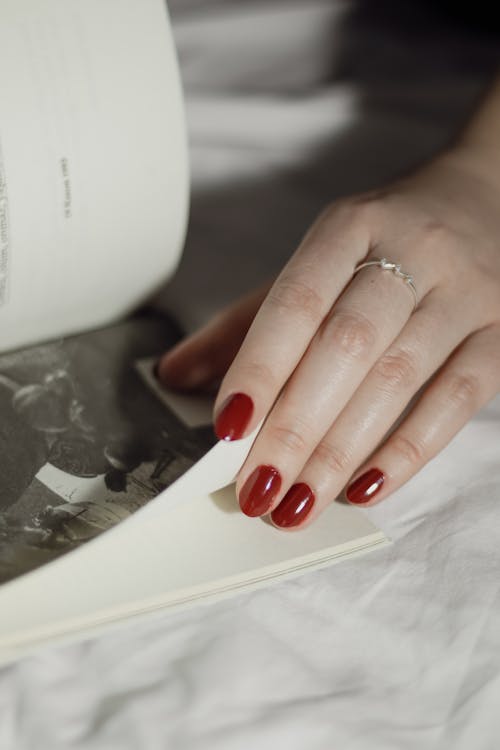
<point x="93" y="163"/>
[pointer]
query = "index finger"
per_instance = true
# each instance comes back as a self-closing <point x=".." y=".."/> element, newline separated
<point x="290" y="315"/>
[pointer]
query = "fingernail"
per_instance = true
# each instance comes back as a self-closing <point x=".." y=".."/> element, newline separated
<point x="365" y="487"/>
<point x="259" y="491"/>
<point x="234" y="417"/>
<point x="295" y="506"/>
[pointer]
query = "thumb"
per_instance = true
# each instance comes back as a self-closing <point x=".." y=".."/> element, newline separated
<point x="202" y="358"/>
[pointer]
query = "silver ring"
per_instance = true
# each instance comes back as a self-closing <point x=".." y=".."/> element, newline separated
<point x="387" y="265"/>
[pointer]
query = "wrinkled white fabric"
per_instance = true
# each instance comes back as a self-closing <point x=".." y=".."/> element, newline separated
<point x="397" y="649"/>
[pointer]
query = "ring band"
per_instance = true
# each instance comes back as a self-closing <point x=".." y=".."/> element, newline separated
<point x="387" y="265"/>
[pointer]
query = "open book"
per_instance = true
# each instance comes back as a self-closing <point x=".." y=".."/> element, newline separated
<point x="115" y="498"/>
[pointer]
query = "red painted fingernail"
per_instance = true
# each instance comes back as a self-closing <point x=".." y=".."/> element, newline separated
<point x="365" y="487"/>
<point x="234" y="417"/>
<point x="259" y="491"/>
<point x="295" y="506"/>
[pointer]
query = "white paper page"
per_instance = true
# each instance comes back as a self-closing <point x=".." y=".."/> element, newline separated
<point x="93" y="162"/>
<point x="184" y="545"/>
<point x="203" y="547"/>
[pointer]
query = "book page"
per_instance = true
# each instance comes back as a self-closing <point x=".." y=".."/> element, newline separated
<point x="201" y="548"/>
<point x="93" y="163"/>
<point x="90" y="443"/>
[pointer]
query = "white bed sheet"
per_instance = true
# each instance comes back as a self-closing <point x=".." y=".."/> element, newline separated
<point x="401" y="648"/>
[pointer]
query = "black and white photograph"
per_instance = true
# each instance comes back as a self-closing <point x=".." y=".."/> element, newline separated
<point x="83" y="440"/>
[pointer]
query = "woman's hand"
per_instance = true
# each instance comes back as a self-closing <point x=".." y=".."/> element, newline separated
<point x="332" y="359"/>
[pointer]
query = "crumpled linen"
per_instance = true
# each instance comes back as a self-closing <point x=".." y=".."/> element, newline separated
<point x="396" y="649"/>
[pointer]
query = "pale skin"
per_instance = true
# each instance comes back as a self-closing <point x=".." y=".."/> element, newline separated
<point x="331" y="360"/>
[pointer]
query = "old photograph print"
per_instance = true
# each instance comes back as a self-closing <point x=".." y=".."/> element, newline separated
<point x="83" y="440"/>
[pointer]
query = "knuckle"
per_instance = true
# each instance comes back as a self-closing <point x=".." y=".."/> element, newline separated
<point x="369" y="205"/>
<point x="409" y="449"/>
<point x="259" y="373"/>
<point x="397" y="369"/>
<point x="463" y="391"/>
<point x="351" y="332"/>
<point x="346" y="210"/>
<point x="333" y="458"/>
<point x="357" y="211"/>
<point x="293" y="296"/>
<point x="292" y="438"/>
<point x="437" y="237"/>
